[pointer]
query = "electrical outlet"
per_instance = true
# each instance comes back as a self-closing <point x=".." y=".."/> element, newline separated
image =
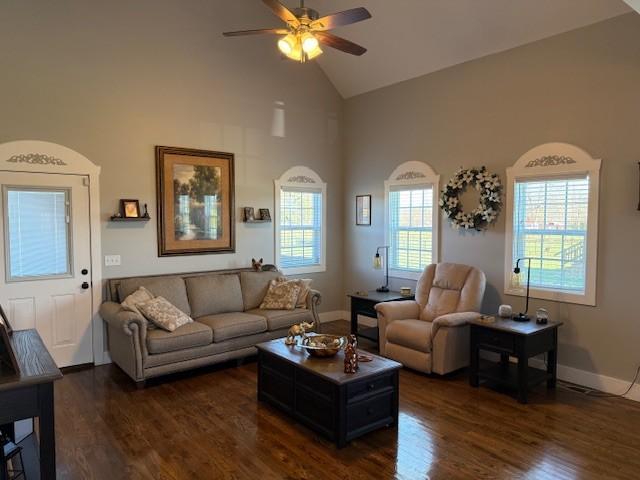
<point x="111" y="260"/>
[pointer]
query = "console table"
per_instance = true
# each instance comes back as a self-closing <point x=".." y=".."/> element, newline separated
<point x="362" y="304"/>
<point x="522" y="340"/>
<point x="30" y="394"/>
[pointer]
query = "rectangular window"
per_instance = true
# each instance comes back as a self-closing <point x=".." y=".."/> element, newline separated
<point x="410" y="228"/>
<point x="37" y="233"/>
<point x="300" y="228"/>
<point x="550" y="222"/>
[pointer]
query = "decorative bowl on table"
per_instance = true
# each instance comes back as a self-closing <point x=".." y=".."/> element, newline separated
<point x="323" y="345"/>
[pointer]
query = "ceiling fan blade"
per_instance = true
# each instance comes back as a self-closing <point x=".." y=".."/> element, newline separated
<point x="341" y="18"/>
<point x="276" y="31"/>
<point x="339" y="43"/>
<point x="283" y="12"/>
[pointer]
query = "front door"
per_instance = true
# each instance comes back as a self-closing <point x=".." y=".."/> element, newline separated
<point x="45" y="272"/>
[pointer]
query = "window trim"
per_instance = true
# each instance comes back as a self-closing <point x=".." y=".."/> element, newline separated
<point x="304" y="179"/>
<point x="547" y="162"/>
<point x="412" y="174"/>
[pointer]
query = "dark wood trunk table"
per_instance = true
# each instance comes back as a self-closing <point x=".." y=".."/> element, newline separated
<point x="317" y="393"/>
<point x="30" y="394"/>
<point x="522" y="340"/>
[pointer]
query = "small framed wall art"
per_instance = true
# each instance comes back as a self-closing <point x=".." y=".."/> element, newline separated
<point x="129" y="208"/>
<point x="363" y="210"/>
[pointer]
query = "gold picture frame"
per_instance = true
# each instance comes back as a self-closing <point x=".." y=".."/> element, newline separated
<point x="196" y="201"/>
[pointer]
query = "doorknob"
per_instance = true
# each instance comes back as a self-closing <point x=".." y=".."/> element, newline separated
<point x="85" y="285"/>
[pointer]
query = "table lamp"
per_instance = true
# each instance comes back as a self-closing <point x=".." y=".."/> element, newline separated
<point x="523" y="317"/>
<point x="377" y="264"/>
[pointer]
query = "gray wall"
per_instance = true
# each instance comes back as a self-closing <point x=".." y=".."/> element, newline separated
<point x="581" y="87"/>
<point x="113" y="79"/>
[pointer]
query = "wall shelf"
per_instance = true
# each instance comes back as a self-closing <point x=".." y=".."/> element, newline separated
<point x="257" y="221"/>
<point x="130" y="219"/>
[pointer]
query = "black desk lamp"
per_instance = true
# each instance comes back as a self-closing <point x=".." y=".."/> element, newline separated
<point x="377" y="264"/>
<point x="523" y="317"/>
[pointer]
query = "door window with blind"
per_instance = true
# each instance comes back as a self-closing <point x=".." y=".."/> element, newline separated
<point x="37" y="236"/>
<point x="300" y="223"/>
<point x="552" y="222"/>
<point x="411" y="220"/>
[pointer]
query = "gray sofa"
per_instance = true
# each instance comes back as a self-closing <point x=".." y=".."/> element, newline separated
<point x="228" y="321"/>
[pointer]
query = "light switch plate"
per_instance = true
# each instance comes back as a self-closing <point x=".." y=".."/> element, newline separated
<point x="111" y="260"/>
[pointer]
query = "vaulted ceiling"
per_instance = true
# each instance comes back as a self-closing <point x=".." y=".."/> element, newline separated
<point x="410" y="38"/>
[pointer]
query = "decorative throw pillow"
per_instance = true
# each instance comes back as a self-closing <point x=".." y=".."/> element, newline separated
<point x="164" y="314"/>
<point x="305" y="288"/>
<point x="141" y="295"/>
<point x="281" y="296"/>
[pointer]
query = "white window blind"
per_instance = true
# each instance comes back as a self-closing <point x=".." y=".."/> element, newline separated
<point x="410" y="227"/>
<point x="37" y="233"/>
<point x="550" y="226"/>
<point x="300" y="228"/>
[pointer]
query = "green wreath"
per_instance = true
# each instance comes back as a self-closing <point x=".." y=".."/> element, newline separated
<point x="486" y="212"/>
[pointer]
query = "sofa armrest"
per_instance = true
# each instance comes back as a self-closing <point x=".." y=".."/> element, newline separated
<point x="314" y="298"/>
<point x="127" y="338"/>
<point x="390" y="311"/>
<point x="120" y="318"/>
<point x="457" y="319"/>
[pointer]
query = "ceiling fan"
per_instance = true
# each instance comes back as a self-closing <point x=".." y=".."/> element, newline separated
<point x="306" y="30"/>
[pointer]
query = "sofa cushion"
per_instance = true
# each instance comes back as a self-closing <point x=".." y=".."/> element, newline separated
<point x="255" y="286"/>
<point x="281" y="295"/>
<point x="171" y="288"/>
<point x="163" y="314"/>
<point x="190" y="335"/>
<point x="217" y="293"/>
<point x="414" y="334"/>
<point x="232" y="325"/>
<point x="277" y="319"/>
<point x="141" y="295"/>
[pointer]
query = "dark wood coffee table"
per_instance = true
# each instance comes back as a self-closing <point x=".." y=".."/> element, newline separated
<point x="317" y="393"/>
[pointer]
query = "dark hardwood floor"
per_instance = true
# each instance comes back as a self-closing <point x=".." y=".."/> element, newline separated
<point x="208" y="425"/>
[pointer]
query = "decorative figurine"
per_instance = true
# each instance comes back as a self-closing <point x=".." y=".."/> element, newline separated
<point x="298" y="331"/>
<point x="351" y="355"/>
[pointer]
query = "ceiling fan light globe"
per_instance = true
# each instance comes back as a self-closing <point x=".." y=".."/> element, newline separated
<point x="287" y="44"/>
<point x="309" y="43"/>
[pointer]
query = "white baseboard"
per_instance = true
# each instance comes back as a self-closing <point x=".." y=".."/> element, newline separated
<point x="602" y="383"/>
<point x="333" y="316"/>
<point x="346" y="315"/>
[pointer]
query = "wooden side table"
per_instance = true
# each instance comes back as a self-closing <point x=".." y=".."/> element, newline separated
<point x="364" y="305"/>
<point x="522" y="340"/>
<point x="30" y="394"/>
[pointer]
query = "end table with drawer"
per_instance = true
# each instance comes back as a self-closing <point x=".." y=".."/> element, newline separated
<point x="522" y="340"/>
<point x="363" y="303"/>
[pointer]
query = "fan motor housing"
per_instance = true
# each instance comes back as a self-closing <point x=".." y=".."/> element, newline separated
<point x="304" y="13"/>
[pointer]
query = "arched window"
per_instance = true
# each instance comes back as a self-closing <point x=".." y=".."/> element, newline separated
<point x="552" y="219"/>
<point x="300" y="217"/>
<point x="411" y="219"/>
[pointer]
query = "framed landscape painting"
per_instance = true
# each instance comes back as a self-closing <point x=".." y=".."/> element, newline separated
<point x="195" y="190"/>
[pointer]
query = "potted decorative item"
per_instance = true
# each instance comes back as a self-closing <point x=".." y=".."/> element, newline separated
<point x="351" y="355"/>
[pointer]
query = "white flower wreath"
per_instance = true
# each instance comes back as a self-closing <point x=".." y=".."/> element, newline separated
<point x="486" y="212"/>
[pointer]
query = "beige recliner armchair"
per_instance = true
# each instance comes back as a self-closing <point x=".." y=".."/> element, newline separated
<point x="431" y="333"/>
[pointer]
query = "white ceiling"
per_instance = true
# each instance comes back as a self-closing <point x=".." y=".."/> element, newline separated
<point x="410" y="38"/>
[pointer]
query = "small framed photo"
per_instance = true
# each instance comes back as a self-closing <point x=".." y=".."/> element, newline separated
<point x="363" y="210"/>
<point x="129" y="208"/>
<point x="249" y="214"/>
<point x="265" y="214"/>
